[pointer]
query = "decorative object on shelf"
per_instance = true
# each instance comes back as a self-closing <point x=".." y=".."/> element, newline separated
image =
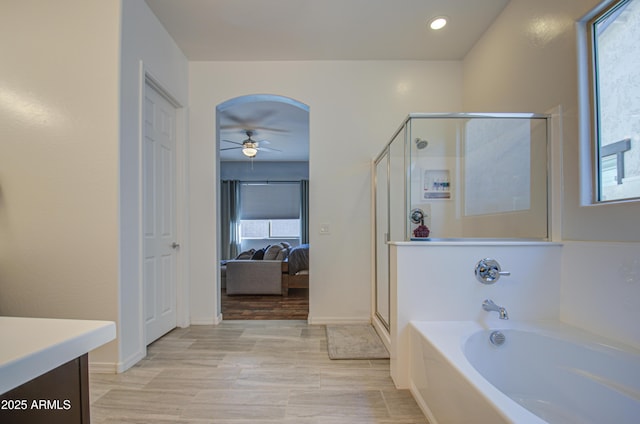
<point x="417" y="217"/>
<point x="421" y="231"/>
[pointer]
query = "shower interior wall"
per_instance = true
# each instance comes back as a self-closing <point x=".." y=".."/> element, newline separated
<point x="478" y="177"/>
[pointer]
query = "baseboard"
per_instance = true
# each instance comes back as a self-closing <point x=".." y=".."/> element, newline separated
<point x="206" y="320"/>
<point x="131" y="361"/>
<point x="338" y="320"/>
<point x="115" y="367"/>
<point x="103" y="367"/>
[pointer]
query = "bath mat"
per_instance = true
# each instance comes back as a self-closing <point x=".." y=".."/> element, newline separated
<point x="355" y="342"/>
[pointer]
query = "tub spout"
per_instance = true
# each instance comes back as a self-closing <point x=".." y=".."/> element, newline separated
<point x="489" y="306"/>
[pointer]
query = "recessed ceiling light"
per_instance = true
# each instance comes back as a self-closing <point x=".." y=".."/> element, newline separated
<point x="438" y="22"/>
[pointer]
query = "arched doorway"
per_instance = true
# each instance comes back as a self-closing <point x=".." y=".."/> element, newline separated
<point x="262" y="154"/>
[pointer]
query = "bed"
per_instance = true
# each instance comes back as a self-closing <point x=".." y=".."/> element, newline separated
<point x="295" y="269"/>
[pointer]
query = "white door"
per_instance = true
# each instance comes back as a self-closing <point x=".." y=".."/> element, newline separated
<point x="159" y="214"/>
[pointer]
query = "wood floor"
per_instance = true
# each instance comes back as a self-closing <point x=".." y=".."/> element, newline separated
<point x="295" y="306"/>
<point x="242" y="372"/>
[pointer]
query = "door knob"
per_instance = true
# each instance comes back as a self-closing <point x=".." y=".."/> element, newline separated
<point x="175" y="245"/>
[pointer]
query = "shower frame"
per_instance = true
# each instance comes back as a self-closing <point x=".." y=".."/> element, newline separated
<point x="380" y="250"/>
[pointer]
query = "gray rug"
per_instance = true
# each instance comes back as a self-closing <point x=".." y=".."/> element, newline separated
<point x="355" y="342"/>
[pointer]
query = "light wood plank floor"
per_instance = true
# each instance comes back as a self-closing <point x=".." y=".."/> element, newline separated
<point x="242" y="372"/>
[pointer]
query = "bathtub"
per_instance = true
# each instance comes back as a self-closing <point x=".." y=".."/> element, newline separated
<point x="542" y="373"/>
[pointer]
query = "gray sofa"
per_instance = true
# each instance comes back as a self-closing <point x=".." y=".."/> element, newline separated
<point x="255" y="272"/>
<point x="254" y="277"/>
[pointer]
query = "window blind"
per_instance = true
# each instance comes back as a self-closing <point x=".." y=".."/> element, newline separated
<point x="270" y="201"/>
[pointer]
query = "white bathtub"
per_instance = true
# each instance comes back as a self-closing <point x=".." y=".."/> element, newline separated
<point x="543" y="373"/>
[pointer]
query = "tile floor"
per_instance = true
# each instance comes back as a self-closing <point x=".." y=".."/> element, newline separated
<point x="250" y="372"/>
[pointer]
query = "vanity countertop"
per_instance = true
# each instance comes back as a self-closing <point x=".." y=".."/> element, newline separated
<point x="30" y="347"/>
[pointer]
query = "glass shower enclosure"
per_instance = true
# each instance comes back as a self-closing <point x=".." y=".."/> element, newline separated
<point x="456" y="177"/>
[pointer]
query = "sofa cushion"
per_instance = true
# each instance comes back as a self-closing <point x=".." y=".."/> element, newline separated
<point x="247" y="254"/>
<point x="283" y="254"/>
<point x="272" y="252"/>
<point x="258" y="255"/>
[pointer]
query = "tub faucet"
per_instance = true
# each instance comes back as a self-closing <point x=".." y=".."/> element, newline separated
<point x="488" y="306"/>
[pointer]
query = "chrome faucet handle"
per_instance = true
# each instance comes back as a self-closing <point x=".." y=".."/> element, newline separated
<point x="488" y="271"/>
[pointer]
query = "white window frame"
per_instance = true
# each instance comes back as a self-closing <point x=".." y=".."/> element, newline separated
<point x="591" y="190"/>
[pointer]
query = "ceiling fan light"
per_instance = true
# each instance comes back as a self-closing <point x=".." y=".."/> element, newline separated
<point x="249" y="151"/>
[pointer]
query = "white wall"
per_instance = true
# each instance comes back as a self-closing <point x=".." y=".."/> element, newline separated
<point x="601" y="288"/>
<point x="146" y="48"/>
<point x="69" y="241"/>
<point x="355" y="106"/>
<point x="59" y="99"/>
<point x="527" y="61"/>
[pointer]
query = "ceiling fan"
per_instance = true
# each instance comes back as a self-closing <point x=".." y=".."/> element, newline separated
<point x="257" y="120"/>
<point x="249" y="146"/>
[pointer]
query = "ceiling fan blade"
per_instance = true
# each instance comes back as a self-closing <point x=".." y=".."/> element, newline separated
<point x="262" y="115"/>
<point x="231" y="148"/>
<point x="232" y="127"/>
<point x="248" y="118"/>
<point x="269" y="129"/>
<point x="243" y="128"/>
<point x="233" y="118"/>
<point x="268" y="149"/>
<point x="234" y="142"/>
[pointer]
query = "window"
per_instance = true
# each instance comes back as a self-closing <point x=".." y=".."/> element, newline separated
<point x="254" y="229"/>
<point x="284" y="228"/>
<point x="270" y="200"/>
<point x="263" y="229"/>
<point x="269" y="211"/>
<point x="614" y="40"/>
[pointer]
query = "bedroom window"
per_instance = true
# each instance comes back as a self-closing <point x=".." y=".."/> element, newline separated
<point x="284" y="228"/>
<point x="263" y="229"/>
<point x="613" y="43"/>
<point x="269" y="213"/>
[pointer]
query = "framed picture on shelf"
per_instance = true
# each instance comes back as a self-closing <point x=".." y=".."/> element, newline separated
<point x="436" y="184"/>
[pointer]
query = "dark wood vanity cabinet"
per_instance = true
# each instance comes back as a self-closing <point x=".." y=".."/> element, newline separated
<point x="60" y="396"/>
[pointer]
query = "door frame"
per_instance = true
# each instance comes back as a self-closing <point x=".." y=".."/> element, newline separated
<point x="243" y="98"/>
<point x="182" y="204"/>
